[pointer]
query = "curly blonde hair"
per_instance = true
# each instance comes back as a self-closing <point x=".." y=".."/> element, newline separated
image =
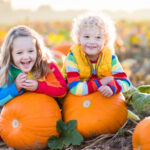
<point x="41" y="66"/>
<point x="101" y="20"/>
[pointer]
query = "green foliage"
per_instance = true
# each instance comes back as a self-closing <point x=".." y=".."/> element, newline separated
<point x="141" y="103"/>
<point x="144" y="89"/>
<point x="130" y="92"/>
<point x="140" y="99"/>
<point x="120" y="132"/>
<point x="66" y="33"/>
<point x="68" y="135"/>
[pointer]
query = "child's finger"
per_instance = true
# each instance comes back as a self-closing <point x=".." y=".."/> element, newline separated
<point x="29" y="81"/>
<point x="25" y="84"/>
<point x="22" y="80"/>
<point x="106" y="94"/>
<point x="103" y="89"/>
<point x="103" y="92"/>
<point x="22" y="75"/>
<point x="29" y="88"/>
<point x="100" y="89"/>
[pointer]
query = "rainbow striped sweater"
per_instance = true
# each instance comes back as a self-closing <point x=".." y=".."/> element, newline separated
<point x="56" y="86"/>
<point x="78" y="87"/>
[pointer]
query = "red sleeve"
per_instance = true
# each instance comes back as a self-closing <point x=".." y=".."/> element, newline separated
<point x="54" y="85"/>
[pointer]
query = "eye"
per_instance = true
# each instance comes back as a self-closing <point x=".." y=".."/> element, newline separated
<point x="86" y="36"/>
<point x="98" y="37"/>
<point x="19" y="53"/>
<point x="30" y="51"/>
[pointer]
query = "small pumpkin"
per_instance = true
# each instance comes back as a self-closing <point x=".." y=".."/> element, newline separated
<point x="28" y="120"/>
<point x="95" y="113"/>
<point x="140" y="138"/>
<point x="63" y="48"/>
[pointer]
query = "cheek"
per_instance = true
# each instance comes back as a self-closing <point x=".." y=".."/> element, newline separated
<point x="14" y="58"/>
<point x="16" y="61"/>
<point x="101" y="43"/>
<point x="35" y="54"/>
<point x="83" y="42"/>
<point x="35" y="57"/>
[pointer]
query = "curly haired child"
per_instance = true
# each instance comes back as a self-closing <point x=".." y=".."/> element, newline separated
<point x="92" y="64"/>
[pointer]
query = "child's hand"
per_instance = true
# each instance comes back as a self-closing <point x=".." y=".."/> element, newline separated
<point x="105" y="90"/>
<point x="106" y="80"/>
<point x="30" y="85"/>
<point x="20" y="79"/>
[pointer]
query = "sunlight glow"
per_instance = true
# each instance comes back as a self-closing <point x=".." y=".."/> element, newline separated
<point x="128" y="5"/>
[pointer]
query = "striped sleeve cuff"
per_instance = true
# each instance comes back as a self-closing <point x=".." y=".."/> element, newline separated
<point x="112" y="88"/>
<point x="98" y="83"/>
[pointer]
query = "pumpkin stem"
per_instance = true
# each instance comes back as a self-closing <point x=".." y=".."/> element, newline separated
<point x="132" y="115"/>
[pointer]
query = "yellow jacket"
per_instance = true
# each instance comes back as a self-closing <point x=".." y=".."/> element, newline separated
<point x="103" y="65"/>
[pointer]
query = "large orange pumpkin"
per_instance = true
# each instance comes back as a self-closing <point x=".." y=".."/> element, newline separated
<point x="95" y="114"/>
<point x="140" y="138"/>
<point x="27" y="121"/>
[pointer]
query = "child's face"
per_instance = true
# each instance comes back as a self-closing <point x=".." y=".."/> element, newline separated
<point x="24" y="53"/>
<point x="92" y="41"/>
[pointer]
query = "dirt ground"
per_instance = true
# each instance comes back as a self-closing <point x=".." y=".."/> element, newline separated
<point x="122" y="140"/>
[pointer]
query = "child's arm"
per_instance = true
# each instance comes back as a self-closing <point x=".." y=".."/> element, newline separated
<point x="12" y="90"/>
<point x="120" y="82"/>
<point x="7" y="93"/>
<point x="55" y="85"/>
<point x="76" y="86"/>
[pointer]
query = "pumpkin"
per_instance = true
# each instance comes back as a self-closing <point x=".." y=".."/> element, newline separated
<point x="63" y="48"/>
<point x="140" y="138"/>
<point x="95" y="114"/>
<point x="28" y="120"/>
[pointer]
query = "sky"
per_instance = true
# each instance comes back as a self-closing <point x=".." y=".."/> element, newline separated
<point x="93" y="5"/>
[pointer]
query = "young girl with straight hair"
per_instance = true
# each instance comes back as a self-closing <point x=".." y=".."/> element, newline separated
<point x="25" y="66"/>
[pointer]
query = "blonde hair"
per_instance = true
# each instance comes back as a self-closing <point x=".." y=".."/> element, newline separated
<point x="41" y="66"/>
<point x="101" y="20"/>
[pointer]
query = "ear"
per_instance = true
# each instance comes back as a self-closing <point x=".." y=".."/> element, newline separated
<point x="78" y="39"/>
<point x="106" y="41"/>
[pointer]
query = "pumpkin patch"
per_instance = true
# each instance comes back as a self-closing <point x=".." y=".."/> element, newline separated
<point x="95" y="114"/>
<point x="27" y="121"/>
<point x="63" y="48"/>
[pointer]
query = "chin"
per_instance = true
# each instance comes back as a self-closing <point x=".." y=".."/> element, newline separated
<point x="93" y="54"/>
<point x="26" y="70"/>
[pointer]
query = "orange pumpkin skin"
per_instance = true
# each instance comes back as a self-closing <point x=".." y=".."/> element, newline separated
<point x="140" y="138"/>
<point x="63" y="48"/>
<point x="95" y="114"/>
<point x="28" y="120"/>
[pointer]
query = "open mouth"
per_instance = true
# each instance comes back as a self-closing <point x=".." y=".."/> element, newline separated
<point x="26" y="64"/>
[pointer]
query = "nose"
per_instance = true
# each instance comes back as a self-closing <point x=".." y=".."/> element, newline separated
<point x="26" y="56"/>
<point x="92" y="41"/>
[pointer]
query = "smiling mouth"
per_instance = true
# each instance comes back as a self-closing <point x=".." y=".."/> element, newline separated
<point x="91" y="47"/>
<point x="26" y="64"/>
